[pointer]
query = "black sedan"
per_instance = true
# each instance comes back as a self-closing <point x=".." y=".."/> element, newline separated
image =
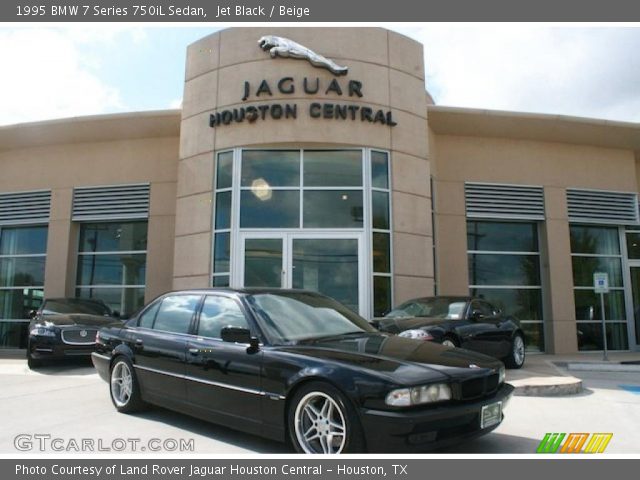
<point x="65" y="327"/>
<point x="466" y="322"/>
<point x="295" y="365"/>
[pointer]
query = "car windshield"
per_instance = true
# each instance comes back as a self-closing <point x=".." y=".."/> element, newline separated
<point x="291" y="317"/>
<point x="436" y="307"/>
<point x="75" y="305"/>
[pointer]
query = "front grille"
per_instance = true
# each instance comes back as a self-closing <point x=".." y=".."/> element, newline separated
<point x="478" y="387"/>
<point x="79" y="336"/>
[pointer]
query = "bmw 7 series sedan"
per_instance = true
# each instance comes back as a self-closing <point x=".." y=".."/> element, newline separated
<point x="297" y="366"/>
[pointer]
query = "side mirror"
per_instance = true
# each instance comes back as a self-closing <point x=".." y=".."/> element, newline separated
<point x="33" y="314"/>
<point x="476" y="315"/>
<point x="235" y="335"/>
<point x="240" y="335"/>
<point x="116" y="314"/>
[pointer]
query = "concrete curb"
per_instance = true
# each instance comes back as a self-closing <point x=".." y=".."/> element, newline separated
<point x="546" y="386"/>
<point x="603" y="367"/>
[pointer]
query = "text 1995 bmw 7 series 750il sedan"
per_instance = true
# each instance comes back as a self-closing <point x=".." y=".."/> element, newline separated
<point x="295" y="365"/>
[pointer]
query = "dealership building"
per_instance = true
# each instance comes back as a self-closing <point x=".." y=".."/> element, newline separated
<point x="324" y="164"/>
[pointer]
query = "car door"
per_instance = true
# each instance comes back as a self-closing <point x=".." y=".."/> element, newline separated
<point x="486" y="335"/>
<point x="224" y="378"/>
<point x="159" y="343"/>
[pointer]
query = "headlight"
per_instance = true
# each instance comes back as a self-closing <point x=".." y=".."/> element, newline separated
<point x="41" y="331"/>
<point x="406" y="397"/>
<point x="419" y="334"/>
<point x="501" y="374"/>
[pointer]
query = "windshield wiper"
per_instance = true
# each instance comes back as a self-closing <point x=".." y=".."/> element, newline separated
<point x="338" y="336"/>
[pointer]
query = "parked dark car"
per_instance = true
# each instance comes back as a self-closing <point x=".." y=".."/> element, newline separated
<point x="466" y="322"/>
<point x="299" y="366"/>
<point x="65" y="327"/>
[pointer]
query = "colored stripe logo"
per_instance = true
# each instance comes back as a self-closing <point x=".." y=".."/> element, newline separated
<point x="573" y="443"/>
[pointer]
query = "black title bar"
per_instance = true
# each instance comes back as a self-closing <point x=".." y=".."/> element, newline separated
<point x="230" y="11"/>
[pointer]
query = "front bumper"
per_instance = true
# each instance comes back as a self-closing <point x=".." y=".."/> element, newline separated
<point x="53" y="348"/>
<point x="429" y="428"/>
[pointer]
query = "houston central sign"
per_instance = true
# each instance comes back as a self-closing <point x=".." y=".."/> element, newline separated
<point x="252" y="93"/>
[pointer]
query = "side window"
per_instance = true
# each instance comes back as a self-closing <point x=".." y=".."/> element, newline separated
<point x="147" y="318"/>
<point x="176" y="312"/>
<point x="219" y="312"/>
<point x="484" y="308"/>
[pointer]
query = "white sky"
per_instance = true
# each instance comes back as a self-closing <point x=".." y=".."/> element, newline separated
<point x="70" y="71"/>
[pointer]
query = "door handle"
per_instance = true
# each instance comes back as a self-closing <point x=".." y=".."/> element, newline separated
<point x="138" y="344"/>
<point x="194" y="351"/>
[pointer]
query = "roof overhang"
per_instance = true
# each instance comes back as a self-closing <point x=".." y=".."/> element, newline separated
<point x="96" y="128"/>
<point x="533" y="126"/>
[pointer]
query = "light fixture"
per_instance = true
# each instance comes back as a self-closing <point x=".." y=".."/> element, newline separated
<point x="261" y="189"/>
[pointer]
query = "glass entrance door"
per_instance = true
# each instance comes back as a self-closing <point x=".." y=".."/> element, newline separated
<point x="324" y="263"/>
<point x="635" y="295"/>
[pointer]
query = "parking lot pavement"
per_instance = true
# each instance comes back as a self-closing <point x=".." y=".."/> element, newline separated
<point x="69" y="401"/>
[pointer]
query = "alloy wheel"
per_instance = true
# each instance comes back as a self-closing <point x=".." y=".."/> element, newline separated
<point x="320" y="425"/>
<point x="121" y="384"/>
<point x="518" y="350"/>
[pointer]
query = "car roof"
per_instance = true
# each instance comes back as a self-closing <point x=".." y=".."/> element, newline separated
<point x="241" y="291"/>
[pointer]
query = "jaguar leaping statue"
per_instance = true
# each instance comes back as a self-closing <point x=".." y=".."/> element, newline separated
<point x="283" y="47"/>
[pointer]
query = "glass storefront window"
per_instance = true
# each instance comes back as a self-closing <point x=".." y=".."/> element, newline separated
<point x="329" y="168"/>
<point x="302" y="190"/>
<point x="381" y="233"/>
<point x="585" y="267"/>
<point x="590" y="336"/>
<point x="597" y="249"/>
<point x="501" y="269"/>
<point x="379" y="170"/>
<point x="381" y="252"/>
<point x="523" y="303"/>
<point x="224" y="170"/>
<point x="270" y="209"/>
<point x="633" y="245"/>
<point x="502" y="236"/>
<point x="112" y="261"/>
<point x="504" y="269"/>
<point x="113" y="237"/>
<point x="129" y="269"/>
<point x="22" y="263"/>
<point x="271" y="168"/>
<point x="380" y="210"/>
<point x="332" y="209"/>
<point x="588" y="305"/>
<point x="125" y="300"/>
<point x="223" y="210"/>
<point x="594" y="240"/>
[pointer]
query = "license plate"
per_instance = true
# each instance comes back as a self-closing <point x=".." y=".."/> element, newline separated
<point x="491" y="414"/>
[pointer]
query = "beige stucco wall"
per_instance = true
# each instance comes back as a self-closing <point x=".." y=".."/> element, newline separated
<point x="556" y="166"/>
<point x="391" y="69"/>
<point x="61" y="167"/>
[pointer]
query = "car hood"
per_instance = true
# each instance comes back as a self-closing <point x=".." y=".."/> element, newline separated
<point x="77" y="319"/>
<point x="402" y="360"/>
<point x="400" y="324"/>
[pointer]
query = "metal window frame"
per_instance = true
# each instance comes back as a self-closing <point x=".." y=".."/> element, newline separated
<point x="366" y="188"/>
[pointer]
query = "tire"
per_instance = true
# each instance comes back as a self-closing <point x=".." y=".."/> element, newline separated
<point x="449" y="341"/>
<point x="124" y="388"/>
<point x="516" y="356"/>
<point x="320" y="405"/>
<point x="33" y="363"/>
